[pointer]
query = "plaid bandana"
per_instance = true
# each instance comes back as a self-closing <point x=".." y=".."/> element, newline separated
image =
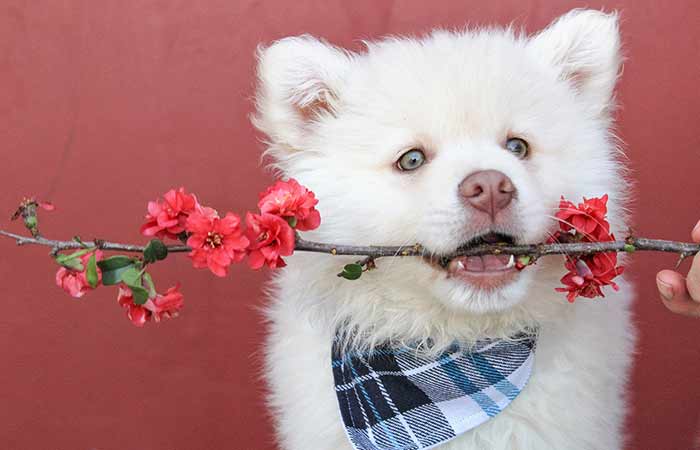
<point x="396" y="399"/>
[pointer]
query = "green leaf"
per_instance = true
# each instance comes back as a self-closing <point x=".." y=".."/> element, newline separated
<point x="77" y="254"/>
<point x="350" y="275"/>
<point x="69" y="263"/>
<point x="351" y="271"/>
<point x="629" y="248"/>
<point x="114" y="276"/>
<point x="91" y="273"/>
<point x="524" y="259"/>
<point x="353" y="268"/>
<point x="149" y="284"/>
<point x="132" y="277"/>
<point x="140" y="295"/>
<point x="292" y="221"/>
<point x="115" y="262"/>
<point x="72" y="260"/>
<point x="155" y="251"/>
<point x="30" y="222"/>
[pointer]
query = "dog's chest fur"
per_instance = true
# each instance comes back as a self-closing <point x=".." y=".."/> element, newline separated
<point x="574" y="400"/>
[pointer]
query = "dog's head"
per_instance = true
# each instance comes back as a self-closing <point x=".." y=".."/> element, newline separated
<point x="448" y="140"/>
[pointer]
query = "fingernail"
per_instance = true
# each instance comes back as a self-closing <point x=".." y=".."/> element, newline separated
<point x="697" y="227"/>
<point x="665" y="289"/>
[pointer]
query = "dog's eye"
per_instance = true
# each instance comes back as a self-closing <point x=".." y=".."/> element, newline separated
<point x="518" y="147"/>
<point x="411" y="160"/>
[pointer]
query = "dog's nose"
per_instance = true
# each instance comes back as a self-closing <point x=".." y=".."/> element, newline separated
<point x="489" y="191"/>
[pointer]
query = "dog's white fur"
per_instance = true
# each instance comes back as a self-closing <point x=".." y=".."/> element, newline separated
<point x="337" y="121"/>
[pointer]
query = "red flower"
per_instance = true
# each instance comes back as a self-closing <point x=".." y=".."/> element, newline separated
<point x="289" y="199"/>
<point x="167" y="218"/>
<point x="270" y="237"/>
<point x="588" y="274"/>
<point x="522" y="261"/>
<point x="588" y="218"/>
<point x="137" y="314"/>
<point x="75" y="282"/>
<point x="46" y="206"/>
<point x="215" y="242"/>
<point x="167" y="305"/>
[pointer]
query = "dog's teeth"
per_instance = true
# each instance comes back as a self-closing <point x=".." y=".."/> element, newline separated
<point x="460" y="265"/>
<point x="511" y="262"/>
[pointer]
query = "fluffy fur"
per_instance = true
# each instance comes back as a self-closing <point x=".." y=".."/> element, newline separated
<point x="337" y="121"/>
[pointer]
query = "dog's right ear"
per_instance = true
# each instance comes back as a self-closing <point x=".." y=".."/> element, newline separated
<point x="584" y="46"/>
<point x="299" y="80"/>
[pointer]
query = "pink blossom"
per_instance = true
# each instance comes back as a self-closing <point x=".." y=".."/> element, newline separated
<point x="46" y="206"/>
<point x="167" y="218"/>
<point x="588" y="274"/>
<point x="156" y="308"/>
<point x="75" y="282"/>
<point x="289" y="199"/>
<point x="167" y="305"/>
<point x="587" y="219"/>
<point x="270" y="237"/>
<point x="215" y="242"/>
<point x="137" y="314"/>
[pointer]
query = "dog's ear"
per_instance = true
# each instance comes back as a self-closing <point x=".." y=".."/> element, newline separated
<point x="299" y="80"/>
<point x="584" y="46"/>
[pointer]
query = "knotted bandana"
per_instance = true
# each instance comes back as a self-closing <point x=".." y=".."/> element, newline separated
<point x="396" y="399"/>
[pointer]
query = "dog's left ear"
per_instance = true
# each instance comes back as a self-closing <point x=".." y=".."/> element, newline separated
<point x="584" y="46"/>
<point x="299" y="82"/>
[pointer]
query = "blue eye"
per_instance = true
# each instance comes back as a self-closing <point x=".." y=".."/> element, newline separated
<point x="411" y="160"/>
<point x="518" y="147"/>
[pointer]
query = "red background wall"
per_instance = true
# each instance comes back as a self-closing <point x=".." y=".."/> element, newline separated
<point x="105" y="104"/>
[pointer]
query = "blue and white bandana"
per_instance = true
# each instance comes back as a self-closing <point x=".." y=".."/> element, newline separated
<point x="396" y="399"/>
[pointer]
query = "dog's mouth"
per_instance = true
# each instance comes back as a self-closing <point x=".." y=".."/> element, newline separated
<point x="485" y="271"/>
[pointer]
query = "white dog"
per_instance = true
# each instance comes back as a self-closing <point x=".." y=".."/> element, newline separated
<point x="450" y="138"/>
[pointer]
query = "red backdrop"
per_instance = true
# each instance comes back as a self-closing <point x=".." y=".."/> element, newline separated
<point x="106" y="103"/>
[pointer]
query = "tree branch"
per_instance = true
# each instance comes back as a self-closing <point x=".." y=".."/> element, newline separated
<point x="684" y="249"/>
<point x="639" y="244"/>
<point x="58" y="246"/>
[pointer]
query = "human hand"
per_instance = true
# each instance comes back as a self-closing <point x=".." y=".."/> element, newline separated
<point x="681" y="294"/>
